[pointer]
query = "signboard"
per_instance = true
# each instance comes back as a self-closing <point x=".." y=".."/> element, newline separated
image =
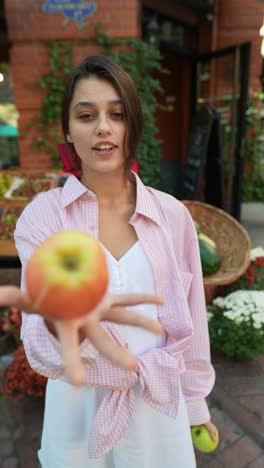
<point x="203" y="175"/>
<point x="75" y="10"/>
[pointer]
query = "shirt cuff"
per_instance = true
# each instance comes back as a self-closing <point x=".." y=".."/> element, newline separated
<point x="198" y="412"/>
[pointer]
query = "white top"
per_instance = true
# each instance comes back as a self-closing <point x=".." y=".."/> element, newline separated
<point x="152" y="440"/>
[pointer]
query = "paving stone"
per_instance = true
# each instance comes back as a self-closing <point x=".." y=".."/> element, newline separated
<point x="17" y="433"/>
<point x="214" y="463"/>
<point x="240" y="454"/>
<point x="10" y="462"/>
<point x="259" y="463"/>
<point x="26" y="454"/>
<point x="14" y="412"/>
<point x="4" y="433"/>
<point x="253" y="403"/>
<point x="6" y="448"/>
<point x="229" y="431"/>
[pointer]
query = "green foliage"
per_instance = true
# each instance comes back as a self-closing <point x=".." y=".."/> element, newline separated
<point x="240" y="341"/>
<point x="140" y="60"/>
<point x="253" y="183"/>
<point x="60" y="65"/>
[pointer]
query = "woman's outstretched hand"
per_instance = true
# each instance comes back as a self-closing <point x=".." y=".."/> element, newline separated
<point x="71" y="332"/>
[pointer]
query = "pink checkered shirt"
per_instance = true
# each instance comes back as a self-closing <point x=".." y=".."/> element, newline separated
<point x="167" y="234"/>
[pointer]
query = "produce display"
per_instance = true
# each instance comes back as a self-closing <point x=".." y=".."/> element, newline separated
<point x="5" y="182"/>
<point x="210" y="258"/>
<point x="8" y="221"/>
<point x="67" y="275"/>
<point x="32" y="185"/>
<point x="202" y="439"/>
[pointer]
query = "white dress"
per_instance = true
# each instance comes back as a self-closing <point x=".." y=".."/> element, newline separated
<point x="152" y="440"/>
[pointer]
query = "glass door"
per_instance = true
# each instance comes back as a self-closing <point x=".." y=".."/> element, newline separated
<point x="221" y="82"/>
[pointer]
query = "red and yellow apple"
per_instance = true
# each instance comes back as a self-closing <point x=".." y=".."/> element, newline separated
<point x="202" y="439"/>
<point x="67" y="275"/>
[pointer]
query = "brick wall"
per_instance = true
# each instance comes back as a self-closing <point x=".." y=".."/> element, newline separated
<point x="28" y="29"/>
<point x="239" y="21"/>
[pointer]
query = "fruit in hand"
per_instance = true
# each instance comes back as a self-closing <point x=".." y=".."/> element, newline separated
<point x="67" y="275"/>
<point x="202" y="439"/>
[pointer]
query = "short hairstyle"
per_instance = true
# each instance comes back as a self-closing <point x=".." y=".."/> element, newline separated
<point x="104" y="68"/>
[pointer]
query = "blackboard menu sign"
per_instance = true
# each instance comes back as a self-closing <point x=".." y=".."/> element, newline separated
<point x="203" y="172"/>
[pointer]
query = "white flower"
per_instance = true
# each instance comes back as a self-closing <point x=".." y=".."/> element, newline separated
<point x="256" y="252"/>
<point x="229" y="314"/>
<point x="209" y="316"/>
<point x="219" y="301"/>
<point x="242" y="306"/>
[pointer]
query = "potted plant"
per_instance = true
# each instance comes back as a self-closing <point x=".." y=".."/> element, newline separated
<point x="236" y="315"/>
<point x="10" y="322"/>
<point x="253" y="181"/>
<point x="18" y="379"/>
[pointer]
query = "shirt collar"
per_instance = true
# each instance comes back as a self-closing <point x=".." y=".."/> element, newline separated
<point x="74" y="189"/>
<point x="145" y="204"/>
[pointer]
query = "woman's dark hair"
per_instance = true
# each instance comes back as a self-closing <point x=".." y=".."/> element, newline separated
<point x="104" y="68"/>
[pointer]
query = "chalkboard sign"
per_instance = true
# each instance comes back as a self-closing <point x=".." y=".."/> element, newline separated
<point x="214" y="167"/>
<point x="203" y="172"/>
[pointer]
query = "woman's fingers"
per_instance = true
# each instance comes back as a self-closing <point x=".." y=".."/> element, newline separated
<point x="14" y="296"/>
<point x="68" y="336"/>
<point x="134" y="299"/>
<point x="109" y="348"/>
<point x="213" y="432"/>
<point x="122" y="315"/>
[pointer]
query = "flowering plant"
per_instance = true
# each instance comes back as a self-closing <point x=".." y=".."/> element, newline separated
<point x="236" y="318"/>
<point x="19" y="380"/>
<point x="10" y="324"/>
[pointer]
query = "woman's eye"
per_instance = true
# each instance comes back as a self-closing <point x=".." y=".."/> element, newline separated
<point x="86" y="116"/>
<point x="118" y="115"/>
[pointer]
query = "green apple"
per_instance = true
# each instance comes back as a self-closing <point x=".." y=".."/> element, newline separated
<point x="202" y="439"/>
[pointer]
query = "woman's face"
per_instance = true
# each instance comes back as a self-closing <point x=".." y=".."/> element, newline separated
<point x="96" y="125"/>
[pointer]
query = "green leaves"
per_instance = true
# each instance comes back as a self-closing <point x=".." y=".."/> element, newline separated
<point x="240" y="341"/>
<point x="253" y="179"/>
<point x="60" y="65"/>
<point x="140" y="60"/>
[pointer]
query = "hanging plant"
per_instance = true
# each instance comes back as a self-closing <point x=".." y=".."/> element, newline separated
<point x="60" y="65"/>
<point x="140" y="60"/>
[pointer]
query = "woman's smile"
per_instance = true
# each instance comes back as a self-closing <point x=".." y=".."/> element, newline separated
<point x="104" y="148"/>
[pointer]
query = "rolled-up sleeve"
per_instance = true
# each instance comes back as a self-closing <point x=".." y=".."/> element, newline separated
<point x="199" y="378"/>
<point x="43" y="351"/>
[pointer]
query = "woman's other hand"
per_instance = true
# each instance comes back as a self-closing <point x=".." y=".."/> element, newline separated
<point x="213" y="432"/>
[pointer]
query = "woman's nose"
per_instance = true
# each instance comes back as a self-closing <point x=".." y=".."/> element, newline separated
<point x="103" y="126"/>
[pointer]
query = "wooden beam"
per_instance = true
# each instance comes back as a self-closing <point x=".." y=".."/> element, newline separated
<point x="169" y="8"/>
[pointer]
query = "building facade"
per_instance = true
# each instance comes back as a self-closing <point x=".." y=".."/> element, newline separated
<point x="182" y="30"/>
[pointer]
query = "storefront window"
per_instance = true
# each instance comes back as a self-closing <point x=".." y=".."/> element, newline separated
<point x="9" y="156"/>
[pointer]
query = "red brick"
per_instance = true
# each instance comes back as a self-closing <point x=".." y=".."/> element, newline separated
<point x="242" y="450"/>
<point x="6" y="448"/>
<point x="10" y="462"/>
<point x="259" y="463"/>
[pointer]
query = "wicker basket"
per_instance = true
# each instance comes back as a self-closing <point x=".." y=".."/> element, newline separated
<point x="232" y="242"/>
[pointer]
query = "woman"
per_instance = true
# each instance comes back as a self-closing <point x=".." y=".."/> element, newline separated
<point x="120" y="418"/>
